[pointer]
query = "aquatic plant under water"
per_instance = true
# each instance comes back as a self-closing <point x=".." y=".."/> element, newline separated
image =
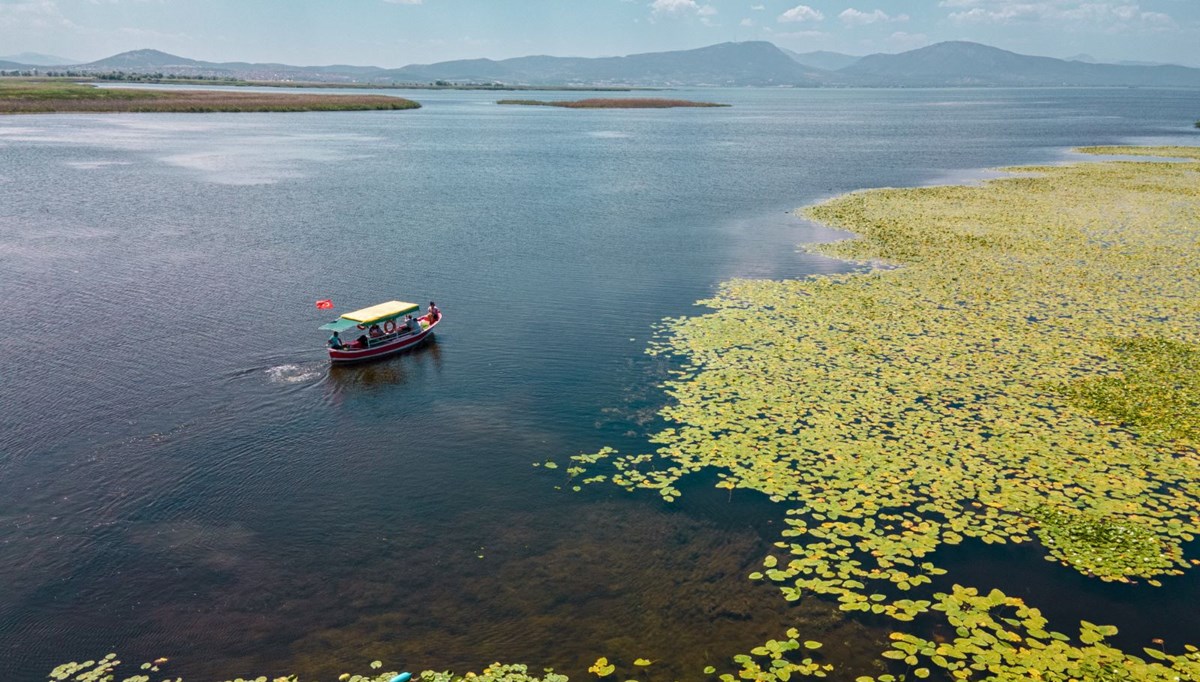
<point x="1027" y="374"/>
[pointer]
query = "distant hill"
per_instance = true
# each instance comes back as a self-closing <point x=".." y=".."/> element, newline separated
<point x="1089" y="59"/>
<point x="748" y="63"/>
<point x="966" y="64"/>
<point x="155" y="61"/>
<point x="754" y="63"/>
<point x="821" y="59"/>
<point x="142" y="59"/>
<point x="36" y="59"/>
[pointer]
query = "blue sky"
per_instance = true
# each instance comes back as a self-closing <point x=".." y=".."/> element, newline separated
<point x="397" y="32"/>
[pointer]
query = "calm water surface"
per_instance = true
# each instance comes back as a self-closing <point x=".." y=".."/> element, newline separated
<point x="182" y="475"/>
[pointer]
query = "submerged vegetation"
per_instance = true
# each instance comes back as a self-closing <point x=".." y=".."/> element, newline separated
<point x="42" y="96"/>
<point x="1028" y="374"/>
<point x="613" y="103"/>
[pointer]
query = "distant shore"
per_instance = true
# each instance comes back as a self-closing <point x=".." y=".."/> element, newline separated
<point x="168" y="79"/>
<point x="47" y="97"/>
<point x="623" y="103"/>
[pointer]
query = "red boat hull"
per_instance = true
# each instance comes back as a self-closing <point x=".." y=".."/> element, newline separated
<point x="398" y="345"/>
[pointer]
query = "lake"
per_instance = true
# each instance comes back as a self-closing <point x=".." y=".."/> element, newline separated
<point x="183" y="475"/>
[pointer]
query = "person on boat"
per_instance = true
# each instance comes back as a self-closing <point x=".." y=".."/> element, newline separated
<point x="434" y="313"/>
<point x="335" y="342"/>
<point x="414" y="325"/>
<point x="361" y="341"/>
<point x="375" y="331"/>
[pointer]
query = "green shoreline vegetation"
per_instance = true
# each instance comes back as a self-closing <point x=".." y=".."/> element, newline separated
<point x="612" y="103"/>
<point x="1027" y="374"/>
<point x="42" y="97"/>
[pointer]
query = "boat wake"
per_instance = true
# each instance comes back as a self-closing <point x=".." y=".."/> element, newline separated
<point x="295" y="374"/>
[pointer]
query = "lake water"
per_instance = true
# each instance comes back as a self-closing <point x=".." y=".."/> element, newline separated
<point x="182" y="474"/>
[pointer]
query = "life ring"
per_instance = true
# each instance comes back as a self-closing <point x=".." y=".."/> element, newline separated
<point x="361" y="326"/>
<point x="389" y="326"/>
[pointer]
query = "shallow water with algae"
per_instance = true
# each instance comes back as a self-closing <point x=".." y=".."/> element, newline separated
<point x="179" y="466"/>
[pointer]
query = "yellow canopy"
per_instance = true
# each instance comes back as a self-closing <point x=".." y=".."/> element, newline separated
<point x="382" y="311"/>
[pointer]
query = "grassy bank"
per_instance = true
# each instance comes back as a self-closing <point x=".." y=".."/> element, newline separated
<point x="609" y="103"/>
<point x="37" y="97"/>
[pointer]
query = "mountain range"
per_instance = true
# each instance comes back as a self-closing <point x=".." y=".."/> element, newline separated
<point x="36" y="59"/>
<point x="753" y="63"/>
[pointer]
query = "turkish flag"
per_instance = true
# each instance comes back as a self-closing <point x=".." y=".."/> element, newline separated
<point x="324" y="304"/>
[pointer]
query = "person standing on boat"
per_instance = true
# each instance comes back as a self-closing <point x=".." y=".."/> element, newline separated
<point x="334" y="342"/>
<point x="434" y="313"/>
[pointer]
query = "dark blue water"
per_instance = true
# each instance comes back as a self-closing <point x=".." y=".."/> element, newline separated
<point x="182" y="475"/>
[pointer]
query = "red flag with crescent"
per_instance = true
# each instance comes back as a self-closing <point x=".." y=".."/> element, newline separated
<point x="324" y="304"/>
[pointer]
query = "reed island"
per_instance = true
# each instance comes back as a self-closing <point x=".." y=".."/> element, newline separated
<point x="44" y="96"/>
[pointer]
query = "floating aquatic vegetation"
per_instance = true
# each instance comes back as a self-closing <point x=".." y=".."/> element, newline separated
<point x="1001" y="638"/>
<point x="1157" y="392"/>
<point x="1164" y="152"/>
<point x="774" y="661"/>
<point x="105" y="670"/>
<point x="1103" y="546"/>
<point x="1028" y="373"/>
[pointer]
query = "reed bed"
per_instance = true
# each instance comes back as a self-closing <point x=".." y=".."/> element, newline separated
<point x="34" y="97"/>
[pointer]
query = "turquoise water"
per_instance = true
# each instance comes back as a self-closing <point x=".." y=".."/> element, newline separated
<point x="182" y="475"/>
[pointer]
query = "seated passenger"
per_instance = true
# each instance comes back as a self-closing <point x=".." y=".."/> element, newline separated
<point x="361" y="342"/>
<point x="375" y="331"/>
<point x="334" y="342"/>
<point x="414" y="325"/>
<point x="434" y="313"/>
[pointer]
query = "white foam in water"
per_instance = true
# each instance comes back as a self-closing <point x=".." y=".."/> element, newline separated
<point x="254" y="153"/>
<point x="233" y="167"/>
<point x="292" y="374"/>
<point x="91" y="165"/>
<point x="607" y="134"/>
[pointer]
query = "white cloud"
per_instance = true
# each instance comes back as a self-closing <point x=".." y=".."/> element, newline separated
<point x="747" y="23"/>
<point x="854" y="17"/>
<point x="801" y="13"/>
<point x="37" y="15"/>
<point x="1106" y="16"/>
<point x="404" y="2"/>
<point x="758" y="8"/>
<point x="680" y="8"/>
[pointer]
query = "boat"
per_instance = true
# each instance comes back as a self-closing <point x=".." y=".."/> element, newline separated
<point x="379" y="331"/>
